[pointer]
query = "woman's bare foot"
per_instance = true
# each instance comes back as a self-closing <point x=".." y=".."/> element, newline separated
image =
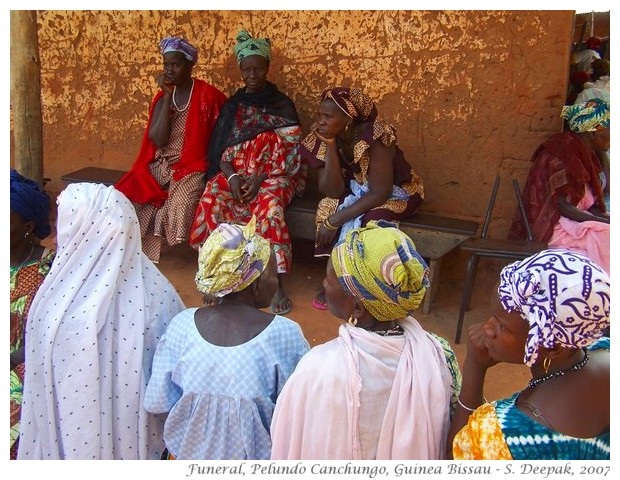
<point x="280" y="303"/>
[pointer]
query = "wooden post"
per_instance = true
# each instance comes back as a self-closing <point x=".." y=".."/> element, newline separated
<point x="26" y="95"/>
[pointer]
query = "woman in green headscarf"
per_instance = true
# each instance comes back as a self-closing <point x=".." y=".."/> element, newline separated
<point x="254" y="162"/>
<point x="385" y="388"/>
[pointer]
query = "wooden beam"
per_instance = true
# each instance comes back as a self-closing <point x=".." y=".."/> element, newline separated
<point x="26" y="94"/>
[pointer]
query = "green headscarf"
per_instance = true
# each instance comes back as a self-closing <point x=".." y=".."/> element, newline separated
<point x="247" y="45"/>
<point x="380" y="267"/>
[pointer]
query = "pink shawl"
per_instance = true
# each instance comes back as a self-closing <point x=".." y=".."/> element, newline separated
<point x="363" y="396"/>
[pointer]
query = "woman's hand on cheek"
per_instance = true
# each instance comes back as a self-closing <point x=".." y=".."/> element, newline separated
<point x="324" y="139"/>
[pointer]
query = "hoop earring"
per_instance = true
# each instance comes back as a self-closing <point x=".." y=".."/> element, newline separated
<point x="352" y="321"/>
<point x="546" y="364"/>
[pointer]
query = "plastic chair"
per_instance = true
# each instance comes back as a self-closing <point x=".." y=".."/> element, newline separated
<point x="486" y="247"/>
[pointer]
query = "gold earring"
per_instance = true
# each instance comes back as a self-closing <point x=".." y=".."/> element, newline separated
<point x="547" y="364"/>
<point x="352" y="321"/>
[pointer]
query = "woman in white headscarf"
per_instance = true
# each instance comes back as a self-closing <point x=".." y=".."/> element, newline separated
<point x="92" y="332"/>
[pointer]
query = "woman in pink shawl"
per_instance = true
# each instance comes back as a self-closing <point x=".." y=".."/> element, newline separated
<point x="385" y="388"/>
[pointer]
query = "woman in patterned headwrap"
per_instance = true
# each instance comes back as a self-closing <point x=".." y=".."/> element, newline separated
<point x="218" y="370"/>
<point x="30" y="262"/>
<point x="362" y="171"/>
<point x="254" y="161"/>
<point x="563" y="195"/>
<point x="384" y="389"/>
<point x="551" y="313"/>
<point x="168" y="176"/>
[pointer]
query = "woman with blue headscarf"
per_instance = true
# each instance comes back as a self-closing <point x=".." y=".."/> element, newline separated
<point x="30" y="263"/>
<point x="564" y="192"/>
<point x="550" y="313"/>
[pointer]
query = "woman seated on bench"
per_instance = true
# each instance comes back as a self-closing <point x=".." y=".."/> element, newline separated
<point x="255" y="148"/>
<point x="168" y="176"/>
<point x="362" y="171"/>
<point x="563" y="196"/>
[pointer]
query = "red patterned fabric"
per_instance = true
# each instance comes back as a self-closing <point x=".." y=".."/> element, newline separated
<point x="274" y="153"/>
<point x="561" y="167"/>
<point x="138" y="184"/>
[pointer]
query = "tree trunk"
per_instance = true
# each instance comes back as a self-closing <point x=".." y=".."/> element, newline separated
<point x="26" y="95"/>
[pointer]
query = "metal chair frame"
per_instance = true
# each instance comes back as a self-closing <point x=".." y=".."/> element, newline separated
<point x="489" y="248"/>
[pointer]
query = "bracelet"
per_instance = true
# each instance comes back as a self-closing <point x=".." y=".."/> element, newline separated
<point x="233" y="175"/>
<point x="458" y="399"/>
<point x="329" y="226"/>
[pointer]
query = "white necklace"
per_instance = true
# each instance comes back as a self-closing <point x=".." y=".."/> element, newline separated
<point x="188" y="100"/>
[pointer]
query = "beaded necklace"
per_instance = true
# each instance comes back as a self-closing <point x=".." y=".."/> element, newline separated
<point x="174" y="101"/>
<point x="392" y="332"/>
<point x="578" y="366"/>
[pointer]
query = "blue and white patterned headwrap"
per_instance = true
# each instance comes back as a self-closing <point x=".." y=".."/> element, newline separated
<point x="563" y="295"/>
<point x="181" y="45"/>
<point x="587" y="116"/>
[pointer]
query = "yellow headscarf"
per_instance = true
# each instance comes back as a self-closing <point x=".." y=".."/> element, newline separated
<point x="381" y="268"/>
<point x="231" y="259"/>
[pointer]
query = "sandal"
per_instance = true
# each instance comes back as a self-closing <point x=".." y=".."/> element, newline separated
<point x="282" y="312"/>
<point x="320" y="301"/>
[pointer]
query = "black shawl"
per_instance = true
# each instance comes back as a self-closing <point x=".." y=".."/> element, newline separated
<point x="277" y="110"/>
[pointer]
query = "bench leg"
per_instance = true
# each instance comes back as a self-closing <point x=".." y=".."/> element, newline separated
<point x="434" y="280"/>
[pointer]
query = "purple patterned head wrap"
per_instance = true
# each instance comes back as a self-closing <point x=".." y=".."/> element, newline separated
<point x="563" y="295"/>
<point x="353" y="102"/>
<point x="181" y="45"/>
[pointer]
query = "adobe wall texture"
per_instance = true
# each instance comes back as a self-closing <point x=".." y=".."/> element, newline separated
<point x="471" y="93"/>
